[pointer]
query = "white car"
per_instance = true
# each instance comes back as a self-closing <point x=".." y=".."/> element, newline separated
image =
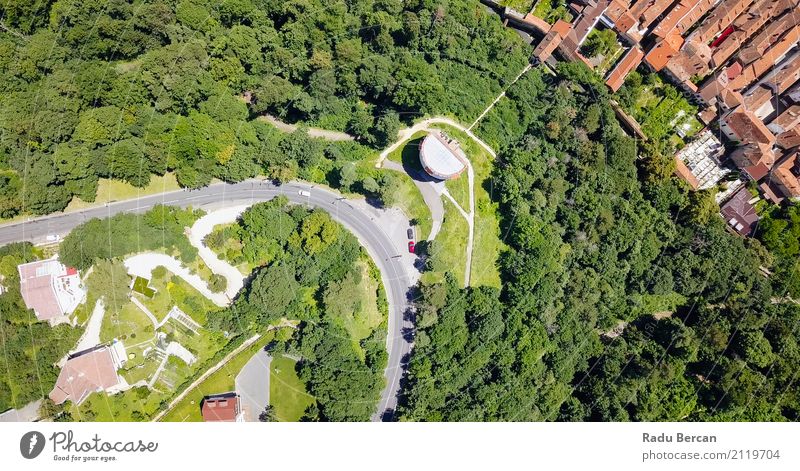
<point x="53" y="238"/>
<point x="305" y="193"/>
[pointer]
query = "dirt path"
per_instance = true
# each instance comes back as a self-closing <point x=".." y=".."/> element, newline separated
<point x="313" y="132"/>
<point x="501" y="95"/>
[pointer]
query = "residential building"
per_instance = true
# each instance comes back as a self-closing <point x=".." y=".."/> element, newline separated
<point x="225" y="407"/>
<point x="739" y="212"/>
<point x="51" y="289"/>
<point x="89" y="371"/>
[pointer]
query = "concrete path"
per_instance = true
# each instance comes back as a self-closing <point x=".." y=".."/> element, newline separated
<point x="91" y="336"/>
<point x="144" y="263"/>
<point x="27" y="413"/>
<point x="147" y="312"/>
<point x="252" y="385"/>
<point x="204" y="226"/>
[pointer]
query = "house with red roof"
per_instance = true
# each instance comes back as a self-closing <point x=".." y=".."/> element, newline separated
<point x="224" y="407"/>
<point x="89" y="371"/>
<point x="51" y="289"/>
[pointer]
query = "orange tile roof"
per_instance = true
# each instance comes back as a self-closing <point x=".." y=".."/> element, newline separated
<point x="683" y="171"/>
<point x="660" y="54"/>
<point x="789" y="139"/>
<point x="788" y="119"/>
<point x="629" y="62"/>
<point x="720" y="18"/>
<point x="768" y="36"/>
<point x="767" y="61"/>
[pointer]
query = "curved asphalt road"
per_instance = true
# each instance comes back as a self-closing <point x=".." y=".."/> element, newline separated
<point x="377" y="242"/>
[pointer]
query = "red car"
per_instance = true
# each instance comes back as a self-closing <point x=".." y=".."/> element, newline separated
<point x="410" y="246"/>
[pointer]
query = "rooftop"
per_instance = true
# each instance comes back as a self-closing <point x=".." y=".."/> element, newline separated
<point x="441" y="156"/>
<point x="739" y="213"/>
<point x="50" y="288"/>
<point x="223" y="407"/>
<point x="87" y="372"/>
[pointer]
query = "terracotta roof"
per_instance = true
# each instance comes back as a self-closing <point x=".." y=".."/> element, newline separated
<point x="748" y="128"/>
<point x="221" y="408"/>
<point x="85" y="373"/>
<point x="739" y="213"/>
<point x="536" y="22"/>
<point x="692" y="60"/>
<point x="770" y="193"/>
<point x="629" y="62"/>
<point x="757" y="172"/>
<point x="660" y="54"/>
<point x="683" y="171"/>
<point x="789" y="139"/>
<point x="767" y="37"/>
<point x="784" y="177"/>
<point x="788" y="119"/>
<point x="682" y="16"/>
<point x="653" y="10"/>
<point x="767" y="61"/>
<point x="720" y="18"/>
<point x="561" y="27"/>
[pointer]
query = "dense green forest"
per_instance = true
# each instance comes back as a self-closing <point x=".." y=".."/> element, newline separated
<point x="128" y="88"/>
<point x="30" y="348"/>
<point x="600" y="240"/>
<point x="308" y="270"/>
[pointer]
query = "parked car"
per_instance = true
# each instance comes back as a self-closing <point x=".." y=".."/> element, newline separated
<point x="53" y="238"/>
<point x="410" y="233"/>
<point x="410" y="246"/>
<point x="305" y="193"/>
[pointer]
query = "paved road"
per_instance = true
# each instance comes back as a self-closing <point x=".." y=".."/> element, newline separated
<point x="386" y="252"/>
<point x="252" y="385"/>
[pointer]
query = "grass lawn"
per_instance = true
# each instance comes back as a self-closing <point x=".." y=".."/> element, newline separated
<point x="459" y="189"/>
<point x="140" y="285"/>
<point x="452" y="247"/>
<point x="133" y="405"/>
<point x="172" y="290"/>
<point x="550" y="10"/>
<point x="409" y="199"/>
<point x="287" y="393"/>
<point x="223" y="380"/>
<point x="84" y="311"/>
<point x="487" y="244"/>
<point x="656" y="108"/>
<point x="366" y="315"/>
<point x="140" y="367"/>
<point x="115" y="190"/>
<point x="128" y="324"/>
